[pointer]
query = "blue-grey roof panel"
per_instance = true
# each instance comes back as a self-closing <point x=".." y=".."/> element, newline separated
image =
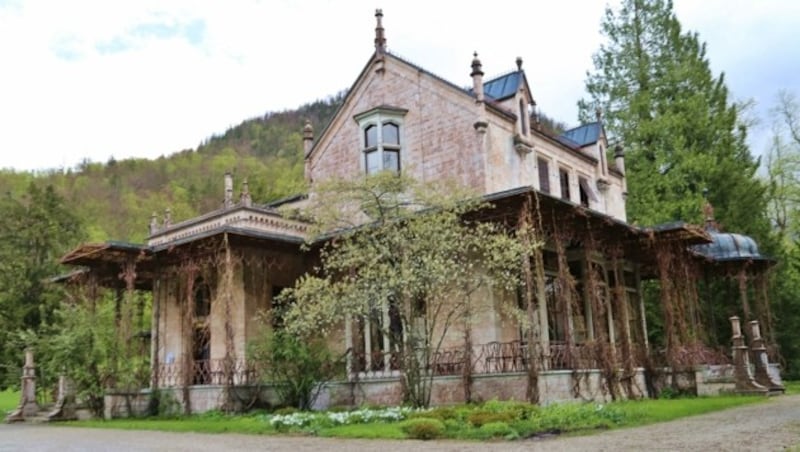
<point x="584" y="135"/>
<point x="503" y="86"/>
<point x="727" y="246"/>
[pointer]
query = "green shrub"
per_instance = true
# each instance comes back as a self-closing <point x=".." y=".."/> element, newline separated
<point x="295" y="366"/>
<point x="286" y="410"/>
<point x="498" y="430"/>
<point x="480" y="418"/>
<point x="441" y="413"/>
<point x="423" y="428"/>
<point x="340" y="409"/>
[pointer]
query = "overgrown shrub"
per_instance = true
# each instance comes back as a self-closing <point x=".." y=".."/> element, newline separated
<point x="497" y="430"/>
<point x="480" y="418"/>
<point x="162" y="403"/>
<point x="423" y="428"/>
<point x="441" y="413"/>
<point x="296" y="367"/>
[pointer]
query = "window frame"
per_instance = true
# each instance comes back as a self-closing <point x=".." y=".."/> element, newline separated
<point x="566" y="192"/>
<point x="542" y="161"/>
<point x="380" y="118"/>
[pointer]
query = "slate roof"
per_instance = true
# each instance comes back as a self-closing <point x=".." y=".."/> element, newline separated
<point x="503" y="87"/>
<point x="582" y="135"/>
<point x="729" y="247"/>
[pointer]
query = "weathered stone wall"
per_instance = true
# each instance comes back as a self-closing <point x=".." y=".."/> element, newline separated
<point x="437" y="135"/>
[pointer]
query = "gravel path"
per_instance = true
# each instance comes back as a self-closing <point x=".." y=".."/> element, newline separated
<point x="770" y="426"/>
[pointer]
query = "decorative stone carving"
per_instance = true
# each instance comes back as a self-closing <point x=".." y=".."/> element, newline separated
<point x="744" y="379"/>
<point x="761" y="360"/>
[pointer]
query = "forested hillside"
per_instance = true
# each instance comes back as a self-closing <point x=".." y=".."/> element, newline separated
<point x="114" y="199"/>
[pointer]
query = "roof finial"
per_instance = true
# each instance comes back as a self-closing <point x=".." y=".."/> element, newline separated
<point x="598" y="113"/>
<point x="477" y="78"/>
<point x="477" y="67"/>
<point x="244" y="197"/>
<point x="380" y="38"/>
<point x="519" y="63"/>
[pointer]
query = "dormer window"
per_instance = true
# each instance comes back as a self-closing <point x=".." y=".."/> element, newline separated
<point x="381" y="139"/>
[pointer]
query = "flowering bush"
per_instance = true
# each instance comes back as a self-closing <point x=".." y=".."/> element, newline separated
<point x="303" y="419"/>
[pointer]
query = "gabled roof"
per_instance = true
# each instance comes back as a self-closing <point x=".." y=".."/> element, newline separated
<point x="583" y="135"/>
<point x="350" y="92"/>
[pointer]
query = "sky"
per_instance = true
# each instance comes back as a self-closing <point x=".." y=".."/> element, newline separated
<point x="85" y="79"/>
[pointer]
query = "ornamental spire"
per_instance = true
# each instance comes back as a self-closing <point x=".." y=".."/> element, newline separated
<point x="380" y="37"/>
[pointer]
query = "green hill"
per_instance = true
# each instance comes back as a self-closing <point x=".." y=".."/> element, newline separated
<point x="115" y="199"/>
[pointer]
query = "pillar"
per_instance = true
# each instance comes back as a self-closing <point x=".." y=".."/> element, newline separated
<point x="761" y="361"/>
<point x="744" y="379"/>
<point x="27" y="404"/>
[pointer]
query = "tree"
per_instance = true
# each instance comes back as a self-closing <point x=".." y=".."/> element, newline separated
<point x="783" y="166"/>
<point x="35" y="231"/>
<point x="783" y="181"/>
<point x="681" y="133"/>
<point x="404" y="259"/>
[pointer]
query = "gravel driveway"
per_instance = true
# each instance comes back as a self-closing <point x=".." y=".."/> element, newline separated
<point x="770" y="426"/>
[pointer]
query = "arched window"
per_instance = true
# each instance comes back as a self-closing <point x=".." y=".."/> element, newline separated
<point x="371" y="136"/>
<point x="381" y="143"/>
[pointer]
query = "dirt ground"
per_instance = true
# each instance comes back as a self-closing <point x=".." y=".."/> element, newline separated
<point x="770" y="426"/>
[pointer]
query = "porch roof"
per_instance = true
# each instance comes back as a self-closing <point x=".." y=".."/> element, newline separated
<point x="580" y="225"/>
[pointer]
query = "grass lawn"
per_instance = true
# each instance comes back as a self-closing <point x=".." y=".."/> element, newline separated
<point x="491" y="420"/>
<point x="8" y="401"/>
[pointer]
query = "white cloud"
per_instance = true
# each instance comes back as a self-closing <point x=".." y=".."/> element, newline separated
<point x="145" y="78"/>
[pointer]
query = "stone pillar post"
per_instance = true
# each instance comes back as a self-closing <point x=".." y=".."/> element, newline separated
<point x="761" y="360"/>
<point x="348" y="339"/>
<point x="744" y="379"/>
<point x="27" y="404"/>
<point x="65" y="404"/>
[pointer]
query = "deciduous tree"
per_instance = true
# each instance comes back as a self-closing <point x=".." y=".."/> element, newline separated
<point x="404" y="259"/>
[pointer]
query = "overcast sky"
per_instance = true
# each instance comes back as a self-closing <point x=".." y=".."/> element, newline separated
<point x="141" y="78"/>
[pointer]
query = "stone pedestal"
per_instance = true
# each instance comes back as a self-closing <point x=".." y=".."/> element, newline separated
<point x="27" y="405"/>
<point x="744" y="379"/>
<point x="761" y="361"/>
<point x="65" y="405"/>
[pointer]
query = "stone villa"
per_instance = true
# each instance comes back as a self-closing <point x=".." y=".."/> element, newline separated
<point x="210" y="276"/>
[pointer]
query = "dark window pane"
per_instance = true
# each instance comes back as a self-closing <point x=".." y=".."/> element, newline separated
<point x="372" y="161"/>
<point x="391" y="134"/>
<point x="564" y="175"/>
<point x="544" y="176"/>
<point x="371" y="136"/>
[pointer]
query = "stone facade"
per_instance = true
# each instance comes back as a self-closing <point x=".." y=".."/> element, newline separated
<point x="214" y="275"/>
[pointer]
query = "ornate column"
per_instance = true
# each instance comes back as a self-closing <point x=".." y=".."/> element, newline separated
<point x="744" y="379"/>
<point x="27" y="404"/>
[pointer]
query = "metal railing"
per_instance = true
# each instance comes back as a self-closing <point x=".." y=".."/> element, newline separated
<point x="208" y="372"/>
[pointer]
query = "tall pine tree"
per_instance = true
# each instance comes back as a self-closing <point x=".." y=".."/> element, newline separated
<point x="680" y="130"/>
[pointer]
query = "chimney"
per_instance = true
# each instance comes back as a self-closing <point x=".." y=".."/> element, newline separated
<point x="619" y="158"/>
<point x="167" y="218"/>
<point x="477" y="78"/>
<point x="308" y="138"/>
<point x="380" y="37"/>
<point x="153" y="223"/>
<point x="228" y="202"/>
<point x="244" y="197"/>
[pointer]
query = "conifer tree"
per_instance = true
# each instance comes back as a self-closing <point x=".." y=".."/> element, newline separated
<point x="681" y="132"/>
